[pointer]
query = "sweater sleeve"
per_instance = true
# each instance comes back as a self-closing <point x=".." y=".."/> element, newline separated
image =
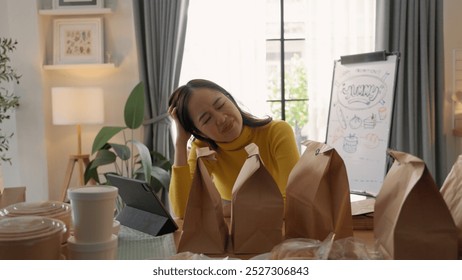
<point x="285" y="152"/>
<point x="180" y="184"/>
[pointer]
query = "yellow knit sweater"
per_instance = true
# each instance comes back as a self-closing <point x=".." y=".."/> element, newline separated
<point x="278" y="151"/>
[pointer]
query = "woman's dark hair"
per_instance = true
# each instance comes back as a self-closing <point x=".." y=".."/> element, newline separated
<point x="180" y="99"/>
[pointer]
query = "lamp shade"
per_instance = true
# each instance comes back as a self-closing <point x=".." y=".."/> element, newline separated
<point x="77" y="105"/>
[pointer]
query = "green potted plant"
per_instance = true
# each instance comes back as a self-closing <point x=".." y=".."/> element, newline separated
<point x="131" y="158"/>
<point x="8" y="100"/>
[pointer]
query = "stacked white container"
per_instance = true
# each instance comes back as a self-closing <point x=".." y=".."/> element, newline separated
<point x="31" y="238"/>
<point x="50" y="209"/>
<point x="93" y="218"/>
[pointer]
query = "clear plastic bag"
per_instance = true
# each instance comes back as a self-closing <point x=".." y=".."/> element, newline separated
<point x="193" y="256"/>
<point x="303" y="249"/>
<point x="349" y="248"/>
<point x="352" y="248"/>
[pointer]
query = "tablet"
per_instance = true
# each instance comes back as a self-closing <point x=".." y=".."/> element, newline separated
<point x="143" y="210"/>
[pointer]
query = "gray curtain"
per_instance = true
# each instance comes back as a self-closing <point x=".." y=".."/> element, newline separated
<point x="160" y="27"/>
<point x="414" y="28"/>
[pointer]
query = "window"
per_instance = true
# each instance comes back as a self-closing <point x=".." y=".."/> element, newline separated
<point x="240" y="45"/>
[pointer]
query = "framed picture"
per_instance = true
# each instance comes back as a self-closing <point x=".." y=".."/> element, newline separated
<point x="78" y="40"/>
<point x="77" y="4"/>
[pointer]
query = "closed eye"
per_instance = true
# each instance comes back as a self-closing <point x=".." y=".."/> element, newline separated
<point x="207" y="120"/>
<point x="221" y="105"/>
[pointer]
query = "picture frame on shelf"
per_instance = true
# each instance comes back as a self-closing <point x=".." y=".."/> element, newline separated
<point x="78" y="40"/>
<point x="77" y="4"/>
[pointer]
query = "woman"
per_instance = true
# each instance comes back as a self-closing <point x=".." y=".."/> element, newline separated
<point x="208" y="112"/>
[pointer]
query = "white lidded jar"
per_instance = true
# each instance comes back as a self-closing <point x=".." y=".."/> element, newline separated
<point x="31" y="238"/>
<point x="93" y="213"/>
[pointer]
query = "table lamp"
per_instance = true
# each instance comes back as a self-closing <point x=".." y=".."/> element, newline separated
<point x="77" y="106"/>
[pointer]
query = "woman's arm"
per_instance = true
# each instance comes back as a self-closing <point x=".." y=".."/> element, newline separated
<point x="284" y="153"/>
<point x="180" y="183"/>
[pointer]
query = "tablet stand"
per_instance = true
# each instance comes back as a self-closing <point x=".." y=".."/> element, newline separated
<point x="146" y="222"/>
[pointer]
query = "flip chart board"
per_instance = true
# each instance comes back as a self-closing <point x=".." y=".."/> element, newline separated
<point x="360" y="116"/>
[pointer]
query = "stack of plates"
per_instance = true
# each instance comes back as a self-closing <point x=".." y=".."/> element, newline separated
<point x="31" y="237"/>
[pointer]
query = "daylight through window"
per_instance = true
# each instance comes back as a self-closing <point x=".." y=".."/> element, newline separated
<point x="276" y="57"/>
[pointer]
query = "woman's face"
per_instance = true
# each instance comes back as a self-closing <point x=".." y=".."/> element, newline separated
<point x="215" y="115"/>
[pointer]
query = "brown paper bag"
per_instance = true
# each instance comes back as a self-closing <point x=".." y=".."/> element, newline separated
<point x="452" y="194"/>
<point x="411" y="219"/>
<point x="318" y="195"/>
<point x="204" y="227"/>
<point x="257" y="207"/>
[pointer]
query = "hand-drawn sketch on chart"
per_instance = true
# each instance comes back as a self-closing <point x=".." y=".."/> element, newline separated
<point x="360" y="116"/>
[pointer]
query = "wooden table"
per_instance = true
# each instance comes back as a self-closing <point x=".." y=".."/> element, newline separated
<point x="136" y="245"/>
<point x="365" y="235"/>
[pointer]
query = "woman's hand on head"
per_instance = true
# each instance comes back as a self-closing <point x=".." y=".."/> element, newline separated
<point x="182" y="135"/>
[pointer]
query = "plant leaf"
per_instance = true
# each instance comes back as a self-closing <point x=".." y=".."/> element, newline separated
<point x="161" y="175"/>
<point x="122" y="151"/>
<point x="160" y="178"/>
<point x="91" y="173"/>
<point x="145" y="157"/>
<point x="104" y="135"/>
<point x="104" y="157"/>
<point x="161" y="161"/>
<point x="134" y="107"/>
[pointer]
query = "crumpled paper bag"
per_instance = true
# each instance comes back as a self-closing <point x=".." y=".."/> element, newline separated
<point x="411" y="219"/>
<point x="257" y="207"/>
<point x="204" y="227"/>
<point x="318" y="195"/>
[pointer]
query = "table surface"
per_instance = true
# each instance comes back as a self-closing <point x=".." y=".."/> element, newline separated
<point x="136" y="245"/>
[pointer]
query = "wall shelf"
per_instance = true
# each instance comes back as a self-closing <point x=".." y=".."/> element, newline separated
<point x="70" y="12"/>
<point x="79" y="66"/>
<point x="51" y="14"/>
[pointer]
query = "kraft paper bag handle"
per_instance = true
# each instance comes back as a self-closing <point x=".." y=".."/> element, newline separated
<point x="210" y="240"/>
<point x="417" y="163"/>
<point x="251" y="165"/>
<point x="321" y="149"/>
<point x="252" y="150"/>
<point x="257" y="208"/>
<point x="402" y="157"/>
<point x="206" y="152"/>
<point x="344" y="207"/>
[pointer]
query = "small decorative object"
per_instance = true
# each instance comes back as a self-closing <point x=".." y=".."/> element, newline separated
<point x="78" y="40"/>
<point x="77" y="4"/>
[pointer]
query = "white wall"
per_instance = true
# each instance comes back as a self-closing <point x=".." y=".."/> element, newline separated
<point x="44" y="148"/>
<point x="28" y="145"/>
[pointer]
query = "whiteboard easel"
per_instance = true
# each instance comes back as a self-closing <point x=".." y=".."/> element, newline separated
<point x="360" y="116"/>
